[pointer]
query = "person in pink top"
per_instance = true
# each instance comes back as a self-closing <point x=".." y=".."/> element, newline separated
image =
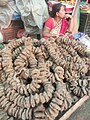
<point x="57" y="24"/>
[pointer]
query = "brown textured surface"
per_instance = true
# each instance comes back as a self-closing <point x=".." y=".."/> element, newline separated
<point x="38" y="79"/>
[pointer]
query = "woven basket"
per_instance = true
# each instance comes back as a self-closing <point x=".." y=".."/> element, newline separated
<point x="3" y="2"/>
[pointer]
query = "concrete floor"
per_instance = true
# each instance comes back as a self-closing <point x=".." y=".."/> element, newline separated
<point x="82" y="113"/>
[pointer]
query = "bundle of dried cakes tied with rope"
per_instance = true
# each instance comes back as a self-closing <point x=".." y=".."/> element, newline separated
<point x="61" y="100"/>
<point x="4" y="115"/>
<point x="80" y="86"/>
<point x="54" y="53"/>
<point x="21" y="89"/>
<point x="22" y="61"/>
<point x="77" y="46"/>
<point x="76" y="64"/>
<point x="37" y="76"/>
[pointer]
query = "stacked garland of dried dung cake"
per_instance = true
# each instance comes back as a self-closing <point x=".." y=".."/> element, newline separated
<point x="39" y="80"/>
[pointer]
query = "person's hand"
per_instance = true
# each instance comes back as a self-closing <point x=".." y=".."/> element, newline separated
<point x="68" y="16"/>
<point x="53" y="35"/>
